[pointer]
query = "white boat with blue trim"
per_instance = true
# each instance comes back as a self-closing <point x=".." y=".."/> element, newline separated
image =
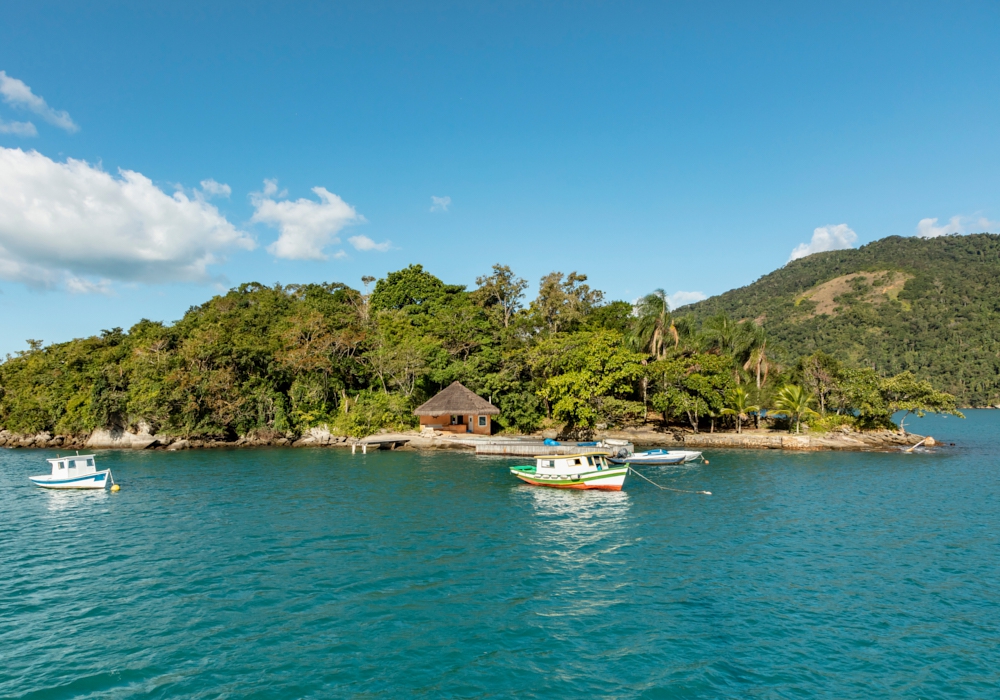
<point x="658" y="457"/>
<point x="75" y="472"/>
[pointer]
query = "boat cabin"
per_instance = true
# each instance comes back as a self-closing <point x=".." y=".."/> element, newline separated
<point x="74" y="465"/>
<point x="564" y="464"/>
<point x="455" y="409"/>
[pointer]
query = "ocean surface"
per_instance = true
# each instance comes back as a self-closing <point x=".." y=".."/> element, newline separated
<point x="312" y="573"/>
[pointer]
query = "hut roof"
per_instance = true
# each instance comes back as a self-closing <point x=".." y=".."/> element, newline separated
<point x="457" y="400"/>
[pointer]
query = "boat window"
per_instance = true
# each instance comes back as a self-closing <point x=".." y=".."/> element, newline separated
<point x="61" y="465"/>
<point x="576" y="462"/>
<point x="590" y="461"/>
<point x="90" y="462"/>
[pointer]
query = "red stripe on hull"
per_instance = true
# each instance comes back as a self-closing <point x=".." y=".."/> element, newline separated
<point x="578" y="487"/>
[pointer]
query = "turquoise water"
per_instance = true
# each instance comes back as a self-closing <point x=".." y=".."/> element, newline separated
<point x="314" y="573"/>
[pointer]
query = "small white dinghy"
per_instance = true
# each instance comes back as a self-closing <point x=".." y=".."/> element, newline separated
<point x="75" y="472"/>
<point x="658" y="457"/>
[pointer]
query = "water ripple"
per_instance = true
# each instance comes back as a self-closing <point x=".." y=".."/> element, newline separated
<point x="312" y="573"/>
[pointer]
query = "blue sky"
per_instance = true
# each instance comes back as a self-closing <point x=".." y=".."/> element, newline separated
<point x="691" y="146"/>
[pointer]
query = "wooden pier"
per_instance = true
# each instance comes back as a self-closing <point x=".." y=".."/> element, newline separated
<point x="379" y="442"/>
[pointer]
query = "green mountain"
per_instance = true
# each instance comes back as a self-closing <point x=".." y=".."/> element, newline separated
<point x="927" y="305"/>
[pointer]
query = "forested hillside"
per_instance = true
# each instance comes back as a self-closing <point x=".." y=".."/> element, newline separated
<point x="927" y="305"/>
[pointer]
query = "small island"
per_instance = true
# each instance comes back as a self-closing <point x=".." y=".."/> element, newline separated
<point x="326" y="364"/>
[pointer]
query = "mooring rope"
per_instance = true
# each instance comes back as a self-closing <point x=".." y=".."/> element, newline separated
<point x="665" y="488"/>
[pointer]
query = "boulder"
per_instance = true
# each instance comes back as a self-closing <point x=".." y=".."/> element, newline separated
<point x="315" y="437"/>
<point x="142" y="441"/>
<point x="118" y="439"/>
<point x="795" y="442"/>
<point x="179" y="445"/>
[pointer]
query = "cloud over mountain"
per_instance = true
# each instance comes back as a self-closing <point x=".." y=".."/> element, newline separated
<point x="957" y="226"/>
<point x="824" y="238"/>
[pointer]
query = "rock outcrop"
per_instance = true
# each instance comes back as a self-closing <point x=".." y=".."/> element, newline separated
<point x="124" y="440"/>
<point x="319" y="437"/>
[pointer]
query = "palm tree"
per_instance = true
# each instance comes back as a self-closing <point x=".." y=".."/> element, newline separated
<point x="738" y="404"/>
<point x="796" y="403"/>
<point x="722" y="333"/>
<point x="757" y="358"/>
<point x="653" y="323"/>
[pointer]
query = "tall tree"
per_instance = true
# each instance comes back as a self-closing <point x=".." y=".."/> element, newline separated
<point x="758" y="359"/>
<point x="502" y="291"/>
<point x="411" y="286"/>
<point x="653" y="325"/>
<point x="564" y="300"/>
<point x="906" y="393"/>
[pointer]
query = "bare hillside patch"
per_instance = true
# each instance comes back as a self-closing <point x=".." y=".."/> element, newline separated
<point x="871" y="287"/>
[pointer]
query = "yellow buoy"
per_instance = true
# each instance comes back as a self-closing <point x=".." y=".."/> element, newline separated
<point x="116" y="487"/>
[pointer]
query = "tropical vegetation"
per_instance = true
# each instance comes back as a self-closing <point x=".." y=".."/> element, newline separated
<point x="279" y="360"/>
<point x="928" y="306"/>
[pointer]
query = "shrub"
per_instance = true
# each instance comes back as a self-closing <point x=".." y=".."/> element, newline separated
<point x="832" y="421"/>
<point x="372" y="411"/>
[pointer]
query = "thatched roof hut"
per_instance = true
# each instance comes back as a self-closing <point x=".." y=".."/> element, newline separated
<point x="457" y="400"/>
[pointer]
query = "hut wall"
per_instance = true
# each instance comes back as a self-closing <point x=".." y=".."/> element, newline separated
<point x="444" y="423"/>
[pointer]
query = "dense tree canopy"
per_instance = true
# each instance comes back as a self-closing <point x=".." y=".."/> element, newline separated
<point x="284" y="359"/>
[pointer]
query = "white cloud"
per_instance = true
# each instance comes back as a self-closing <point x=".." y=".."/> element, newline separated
<point x="956" y="226"/>
<point x="440" y="203"/>
<point x="18" y="128"/>
<point x="15" y="93"/>
<point x="928" y="228"/>
<point x="78" y="285"/>
<point x="678" y="299"/>
<point x="834" y="237"/>
<point x="210" y="188"/>
<point x="63" y="220"/>
<point x="365" y="243"/>
<point x="305" y="227"/>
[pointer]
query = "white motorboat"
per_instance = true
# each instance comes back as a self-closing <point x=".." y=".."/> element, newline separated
<point x="74" y="472"/>
<point x="657" y="457"/>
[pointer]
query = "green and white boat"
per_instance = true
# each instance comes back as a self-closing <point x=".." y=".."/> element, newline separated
<point x="587" y="470"/>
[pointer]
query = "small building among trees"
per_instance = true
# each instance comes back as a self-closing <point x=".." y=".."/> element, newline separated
<point x="457" y="410"/>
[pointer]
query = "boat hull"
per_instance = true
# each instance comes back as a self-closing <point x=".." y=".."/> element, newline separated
<point x="94" y="480"/>
<point x="654" y="461"/>
<point x="599" y="480"/>
<point x="666" y="457"/>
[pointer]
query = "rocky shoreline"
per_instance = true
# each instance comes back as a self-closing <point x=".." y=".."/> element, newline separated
<point x="320" y="437"/>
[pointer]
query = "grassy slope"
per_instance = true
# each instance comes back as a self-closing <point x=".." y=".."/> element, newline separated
<point x="944" y="324"/>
